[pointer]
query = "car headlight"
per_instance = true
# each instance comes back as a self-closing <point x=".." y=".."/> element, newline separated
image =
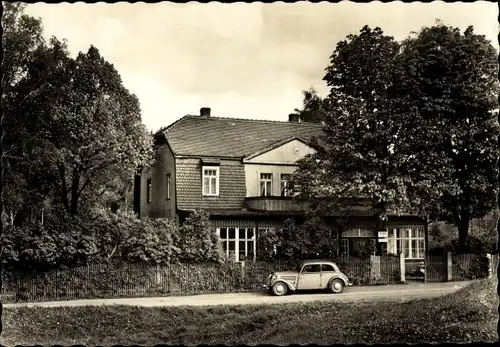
<point x="272" y="277"/>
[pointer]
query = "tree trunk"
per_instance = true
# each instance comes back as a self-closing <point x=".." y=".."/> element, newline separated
<point x="64" y="189"/>
<point x="463" y="231"/>
<point x="75" y="193"/>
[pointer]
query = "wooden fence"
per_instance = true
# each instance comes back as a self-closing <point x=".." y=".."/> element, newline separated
<point x="459" y="267"/>
<point x="129" y="280"/>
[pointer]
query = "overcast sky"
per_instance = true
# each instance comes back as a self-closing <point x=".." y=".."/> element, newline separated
<point x="242" y="60"/>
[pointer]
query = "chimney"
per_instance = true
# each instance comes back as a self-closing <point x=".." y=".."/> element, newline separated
<point x="294" y="117"/>
<point x="205" y="112"/>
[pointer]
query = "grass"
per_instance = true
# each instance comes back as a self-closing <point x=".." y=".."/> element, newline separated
<point x="465" y="316"/>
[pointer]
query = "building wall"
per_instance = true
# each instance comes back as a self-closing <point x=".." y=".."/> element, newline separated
<point x="252" y="176"/>
<point x="160" y="206"/>
<point x="287" y="153"/>
<point x="189" y="185"/>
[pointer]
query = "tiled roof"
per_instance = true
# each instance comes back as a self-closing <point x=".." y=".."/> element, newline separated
<point x="231" y="137"/>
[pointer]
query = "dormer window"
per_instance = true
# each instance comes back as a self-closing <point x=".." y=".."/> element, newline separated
<point x="210" y="180"/>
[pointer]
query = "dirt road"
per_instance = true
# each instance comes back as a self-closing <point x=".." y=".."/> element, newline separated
<point x="372" y="293"/>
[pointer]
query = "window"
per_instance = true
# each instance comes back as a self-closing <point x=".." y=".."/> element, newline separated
<point x="266" y="180"/>
<point x="238" y="243"/>
<point x="313" y="268"/>
<point x="148" y="190"/>
<point x="345" y="247"/>
<point x="285" y="185"/>
<point x="358" y="232"/>
<point x="168" y="186"/>
<point x="410" y="241"/>
<point x="210" y="181"/>
<point x="327" y="267"/>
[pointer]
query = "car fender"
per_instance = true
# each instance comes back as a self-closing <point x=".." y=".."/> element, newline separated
<point x="289" y="284"/>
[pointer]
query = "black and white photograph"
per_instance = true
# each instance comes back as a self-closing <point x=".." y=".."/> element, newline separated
<point x="249" y="173"/>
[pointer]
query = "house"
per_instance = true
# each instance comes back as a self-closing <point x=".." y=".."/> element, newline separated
<point x="238" y="171"/>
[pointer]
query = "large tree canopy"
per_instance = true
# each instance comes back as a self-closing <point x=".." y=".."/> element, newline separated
<point x="361" y="151"/>
<point x="81" y="125"/>
<point x="409" y="125"/>
<point x="450" y="80"/>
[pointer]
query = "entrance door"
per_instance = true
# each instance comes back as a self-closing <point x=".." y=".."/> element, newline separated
<point x="310" y="277"/>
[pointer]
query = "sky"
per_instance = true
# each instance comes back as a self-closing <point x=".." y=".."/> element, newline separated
<point x="241" y="60"/>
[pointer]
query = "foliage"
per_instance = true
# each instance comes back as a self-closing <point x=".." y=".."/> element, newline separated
<point x="80" y="127"/>
<point x="64" y="242"/>
<point x="450" y="83"/>
<point x="298" y="240"/>
<point x="268" y="241"/>
<point x="22" y="36"/>
<point x="207" y="277"/>
<point x="198" y="240"/>
<point x="155" y="242"/>
<point x="363" y="150"/>
<point x="439" y="81"/>
<point x="312" y="107"/>
<point x="364" y="251"/>
<point x="102" y="235"/>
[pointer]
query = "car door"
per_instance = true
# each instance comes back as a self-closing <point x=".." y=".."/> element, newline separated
<point x="327" y="272"/>
<point x="309" y="277"/>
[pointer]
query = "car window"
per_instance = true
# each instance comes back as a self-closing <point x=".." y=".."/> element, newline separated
<point x="327" y="267"/>
<point x="311" y="268"/>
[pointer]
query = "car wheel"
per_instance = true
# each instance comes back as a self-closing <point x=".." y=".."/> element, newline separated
<point x="279" y="289"/>
<point x="337" y="286"/>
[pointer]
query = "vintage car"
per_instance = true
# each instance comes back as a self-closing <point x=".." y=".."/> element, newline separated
<point x="309" y="275"/>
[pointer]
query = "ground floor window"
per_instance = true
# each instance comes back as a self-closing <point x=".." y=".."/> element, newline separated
<point x="410" y="241"/>
<point x="238" y="242"/>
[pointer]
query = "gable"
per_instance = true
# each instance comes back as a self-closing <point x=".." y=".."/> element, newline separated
<point x="285" y="153"/>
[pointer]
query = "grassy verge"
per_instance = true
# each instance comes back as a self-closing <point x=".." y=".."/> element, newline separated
<point x="465" y="316"/>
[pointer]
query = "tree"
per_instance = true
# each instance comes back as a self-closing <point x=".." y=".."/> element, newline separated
<point x="22" y="36"/>
<point x="451" y="84"/>
<point x="85" y="122"/>
<point x="312" y="107"/>
<point x="362" y="153"/>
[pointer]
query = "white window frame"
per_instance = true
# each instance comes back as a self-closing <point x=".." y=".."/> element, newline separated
<point x="265" y="180"/>
<point x="415" y="233"/>
<point x="205" y="168"/>
<point x="285" y="190"/>
<point x="237" y="241"/>
<point x="169" y="185"/>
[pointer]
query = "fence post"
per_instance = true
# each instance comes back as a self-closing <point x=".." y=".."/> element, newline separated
<point x="158" y="274"/>
<point x="490" y="265"/>
<point x="449" y="266"/>
<point x="402" y="268"/>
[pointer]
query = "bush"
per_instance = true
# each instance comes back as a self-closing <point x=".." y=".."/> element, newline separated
<point x="65" y="241"/>
<point x="310" y="239"/>
<point x="197" y="241"/>
<point x="207" y="277"/>
<point x="153" y="243"/>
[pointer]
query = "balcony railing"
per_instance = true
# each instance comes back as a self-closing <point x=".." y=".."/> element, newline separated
<point x="275" y="204"/>
<point x="289" y="204"/>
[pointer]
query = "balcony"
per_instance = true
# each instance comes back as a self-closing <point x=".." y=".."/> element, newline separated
<point x="288" y="205"/>
<point x="275" y="204"/>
